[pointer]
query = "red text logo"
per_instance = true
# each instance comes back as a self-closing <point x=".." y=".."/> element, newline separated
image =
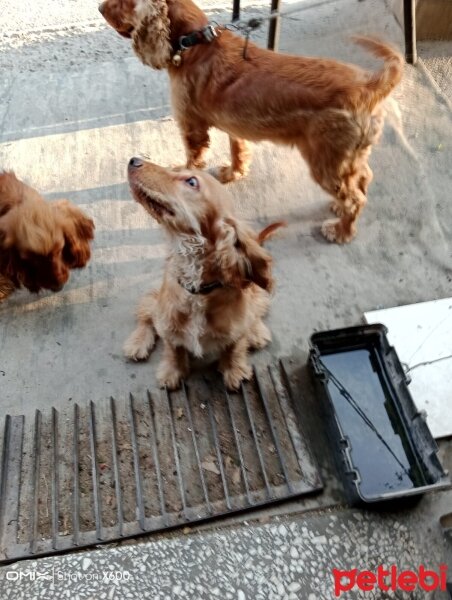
<point x="390" y="579"/>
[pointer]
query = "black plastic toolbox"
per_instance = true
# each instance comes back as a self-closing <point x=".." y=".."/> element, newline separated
<point x="382" y="443"/>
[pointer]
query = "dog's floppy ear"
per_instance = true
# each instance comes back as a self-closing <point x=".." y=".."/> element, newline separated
<point x="78" y="231"/>
<point x="242" y="258"/>
<point x="151" y="38"/>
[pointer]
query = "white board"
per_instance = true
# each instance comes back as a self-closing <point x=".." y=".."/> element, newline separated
<point x="422" y="336"/>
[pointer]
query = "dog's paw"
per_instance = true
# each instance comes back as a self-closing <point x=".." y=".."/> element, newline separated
<point x="334" y="231"/>
<point x="169" y="377"/>
<point x="227" y="174"/>
<point x="234" y="376"/>
<point x="139" y="344"/>
<point x="259" y="336"/>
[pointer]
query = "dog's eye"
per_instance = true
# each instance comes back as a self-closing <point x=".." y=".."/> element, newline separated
<point x="192" y="182"/>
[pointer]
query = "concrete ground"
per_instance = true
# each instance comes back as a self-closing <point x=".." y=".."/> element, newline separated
<point x="75" y="104"/>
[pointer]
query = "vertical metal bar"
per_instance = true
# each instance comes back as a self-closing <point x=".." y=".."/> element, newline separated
<point x="239" y="449"/>
<point x="55" y="478"/>
<point x="155" y="456"/>
<point x="195" y="446"/>
<point x="277" y="393"/>
<point x="176" y="455"/>
<point x="306" y="460"/>
<point x="256" y="441"/>
<point x="10" y="485"/>
<point x="114" y="453"/>
<point x="4" y="477"/>
<point x="76" y="475"/>
<point x="216" y="441"/>
<point x="273" y="431"/>
<point x="35" y="479"/>
<point x="136" y="464"/>
<point x="409" y="25"/>
<point x="95" y="471"/>
<point x="235" y="10"/>
<point x="274" y="28"/>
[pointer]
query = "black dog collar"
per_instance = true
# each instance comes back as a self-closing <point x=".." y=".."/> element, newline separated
<point x="203" y="289"/>
<point x="202" y="36"/>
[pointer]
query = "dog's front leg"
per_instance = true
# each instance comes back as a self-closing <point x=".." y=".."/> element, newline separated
<point x="234" y="364"/>
<point x="173" y="367"/>
<point x="240" y="161"/>
<point x="141" y="341"/>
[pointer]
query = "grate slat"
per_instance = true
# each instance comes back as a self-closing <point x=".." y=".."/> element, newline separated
<point x="10" y="487"/>
<point x="4" y="476"/>
<point x="277" y="394"/>
<point x="238" y="448"/>
<point x="136" y="464"/>
<point x="300" y="448"/>
<point x="155" y="456"/>
<point x="256" y="442"/>
<point x="76" y="476"/>
<point x="195" y="446"/>
<point x="274" y="433"/>
<point x="213" y="425"/>
<point x="117" y="476"/>
<point x="55" y="477"/>
<point x="35" y="478"/>
<point x="95" y="471"/>
<point x="180" y="480"/>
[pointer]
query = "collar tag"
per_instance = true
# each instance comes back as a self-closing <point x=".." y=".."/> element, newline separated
<point x="210" y="33"/>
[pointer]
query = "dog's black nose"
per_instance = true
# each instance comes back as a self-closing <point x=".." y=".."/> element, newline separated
<point x="101" y="8"/>
<point x="135" y="162"/>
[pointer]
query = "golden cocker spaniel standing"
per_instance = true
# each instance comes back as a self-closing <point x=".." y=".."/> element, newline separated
<point x="329" y="110"/>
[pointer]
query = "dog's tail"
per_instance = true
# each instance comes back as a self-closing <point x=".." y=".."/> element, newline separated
<point x="385" y="80"/>
<point x="266" y="233"/>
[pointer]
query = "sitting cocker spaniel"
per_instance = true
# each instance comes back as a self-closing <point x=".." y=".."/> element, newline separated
<point x="217" y="278"/>
<point x="330" y="111"/>
<point x="39" y="241"/>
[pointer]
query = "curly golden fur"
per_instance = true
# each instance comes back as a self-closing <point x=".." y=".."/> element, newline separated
<point x="208" y="245"/>
<point x="329" y="110"/>
<point x="39" y="241"/>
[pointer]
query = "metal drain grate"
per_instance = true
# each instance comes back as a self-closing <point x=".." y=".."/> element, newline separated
<point x="101" y="473"/>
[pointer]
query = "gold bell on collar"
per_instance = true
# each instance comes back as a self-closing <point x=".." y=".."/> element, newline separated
<point x="177" y="59"/>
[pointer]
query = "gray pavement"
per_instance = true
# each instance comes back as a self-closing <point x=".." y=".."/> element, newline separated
<point x="287" y="559"/>
<point x="75" y="104"/>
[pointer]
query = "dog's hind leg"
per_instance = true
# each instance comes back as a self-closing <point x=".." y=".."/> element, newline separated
<point x="240" y="161"/>
<point x="349" y="204"/>
<point x="196" y="139"/>
<point x="363" y="181"/>
<point x="141" y="341"/>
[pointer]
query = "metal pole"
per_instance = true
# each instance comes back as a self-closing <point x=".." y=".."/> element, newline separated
<point x="409" y="22"/>
<point x="235" y="10"/>
<point x="274" y="27"/>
